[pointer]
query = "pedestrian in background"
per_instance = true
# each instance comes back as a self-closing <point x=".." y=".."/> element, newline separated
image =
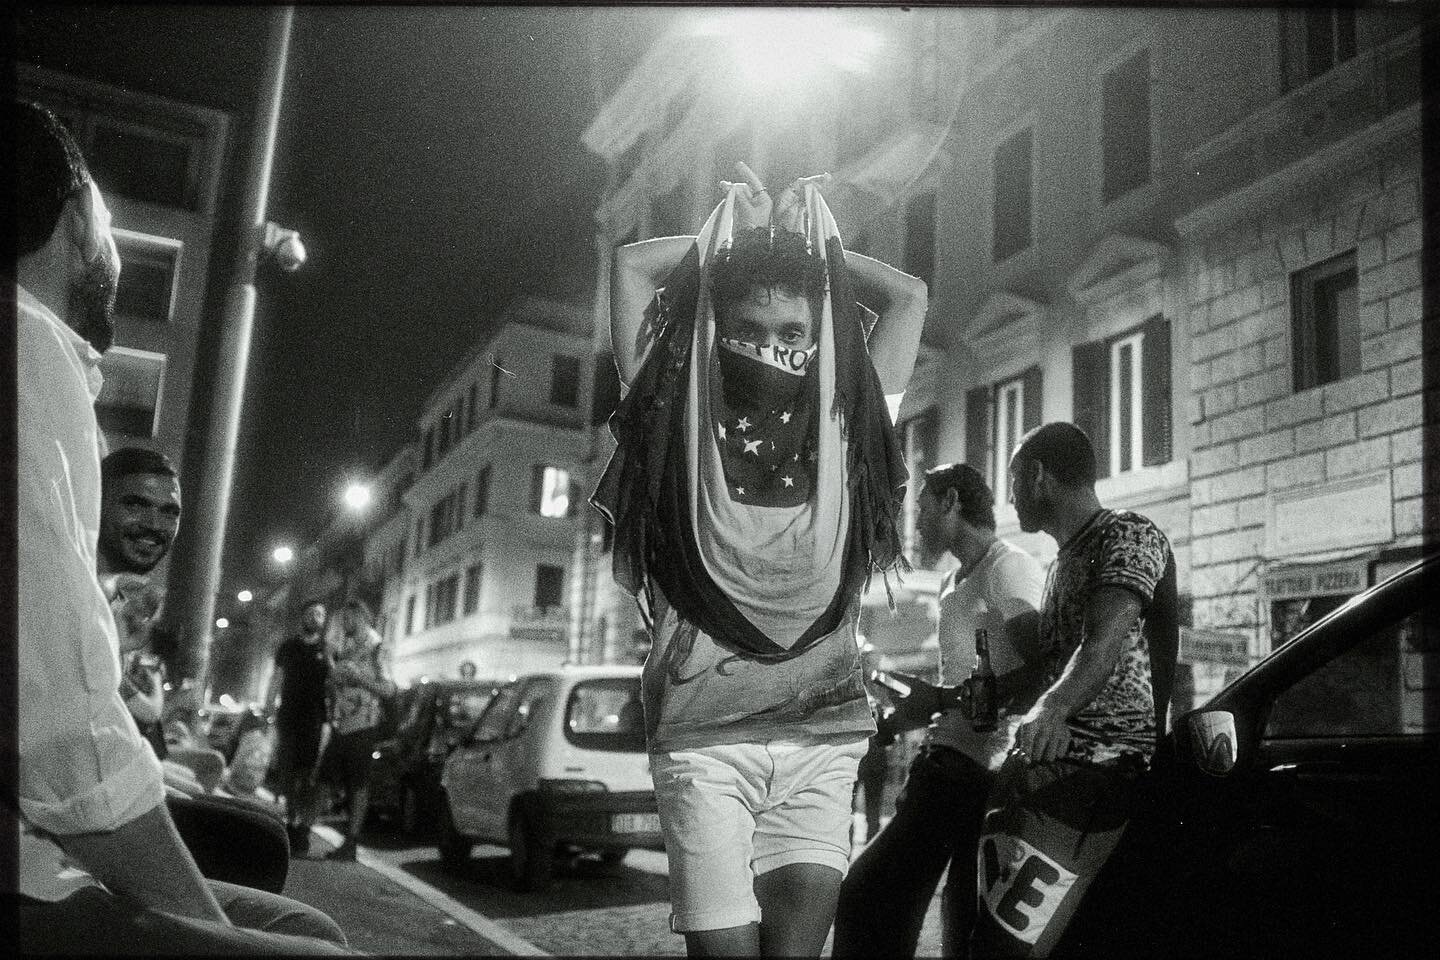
<point x="1108" y="640"/>
<point x="936" y="827"/>
<point x="299" y="684"/>
<point x="359" y="683"/>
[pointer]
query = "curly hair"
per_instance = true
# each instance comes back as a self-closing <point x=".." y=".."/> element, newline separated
<point x="977" y="503"/>
<point x="770" y="261"/>
<point x="49" y="165"/>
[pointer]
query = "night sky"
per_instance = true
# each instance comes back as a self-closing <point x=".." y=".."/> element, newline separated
<point x="430" y="158"/>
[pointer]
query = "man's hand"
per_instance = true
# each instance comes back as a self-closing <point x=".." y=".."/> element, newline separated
<point x="790" y="205"/>
<point x="752" y="200"/>
<point x="919" y="707"/>
<point x="1044" y="736"/>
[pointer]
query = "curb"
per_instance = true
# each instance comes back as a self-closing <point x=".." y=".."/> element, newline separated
<point x="461" y="914"/>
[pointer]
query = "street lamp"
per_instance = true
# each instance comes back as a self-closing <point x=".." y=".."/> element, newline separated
<point x="786" y="49"/>
<point x="283" y="555"/>
<point x="244" y="596"/>
<point x="222" y="623"/>
<point x="357" y="496"/>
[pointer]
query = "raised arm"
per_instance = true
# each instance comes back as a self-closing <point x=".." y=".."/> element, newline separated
<point x="639" y="268"/>
<point x="901" y="301"/>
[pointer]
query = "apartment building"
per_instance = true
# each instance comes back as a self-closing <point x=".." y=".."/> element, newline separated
<point x="1195" y="233"/>
<point x="492" y="512"/>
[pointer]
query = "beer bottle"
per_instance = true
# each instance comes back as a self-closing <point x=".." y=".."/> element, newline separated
<point x="984" y="706"/>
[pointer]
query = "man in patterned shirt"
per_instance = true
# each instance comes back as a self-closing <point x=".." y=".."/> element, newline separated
<point x="1108" y="633"/>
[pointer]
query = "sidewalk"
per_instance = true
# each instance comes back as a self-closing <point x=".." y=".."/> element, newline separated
<point x="386" y="912"/>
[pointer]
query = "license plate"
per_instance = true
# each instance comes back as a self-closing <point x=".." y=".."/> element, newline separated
<point x="635" y="823"/>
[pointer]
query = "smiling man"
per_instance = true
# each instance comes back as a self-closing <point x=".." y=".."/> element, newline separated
<point x="139" y="510"/>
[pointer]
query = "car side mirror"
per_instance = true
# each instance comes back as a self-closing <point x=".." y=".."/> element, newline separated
<point x="1213" y="741"/>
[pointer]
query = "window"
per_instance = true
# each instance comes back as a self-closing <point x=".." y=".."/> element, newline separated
<point x="410" y="615"/>
<point x="443" y="436"/>
<point x="1314" y="42"/>
<point x="473" y="417"/>
<point x="1122" y="397"/>
<point x="921" y="438"/>
<point x="1125" y="137"/>
<point x="549" y="491"/>
<point x="429" y="449"/>
<point x="670" y="214"/>
<point x="1375" y="688"/>
<point x="497" y="716"/>
<point x="429" y="605"/>
<point x="920" y="237"/>
<point x="439" y="521"/>
<point x="130" y="399"/>
<point x="482" y="491"/>
<point x="447" y="592"/>
<point x="147" y="284"/>
<point x="996" y="417"/>
<point x="549" y="586"/>
<point x="1013" y="176"/>
<point x="472" y="587"/>
<point x="564" y="380"/>
<point x="606" y="715"/>
<point x="146" y="164"/>
<point x="1324" y="322"/>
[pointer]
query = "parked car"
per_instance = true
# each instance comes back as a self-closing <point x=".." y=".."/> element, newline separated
<point x="556" y="765"/>
<point x="1293" y="814"/>
<point x="434" y="716"/>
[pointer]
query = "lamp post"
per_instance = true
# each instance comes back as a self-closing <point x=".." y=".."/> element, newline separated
<point x="200" y="577"/>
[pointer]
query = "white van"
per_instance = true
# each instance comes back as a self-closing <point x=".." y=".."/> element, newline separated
<point x="556" y="764"/>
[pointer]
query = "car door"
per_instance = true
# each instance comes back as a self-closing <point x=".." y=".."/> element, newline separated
<point x="468" y="776"/>
<point x="1313" y="837"/>
<point x="514" y="760"/>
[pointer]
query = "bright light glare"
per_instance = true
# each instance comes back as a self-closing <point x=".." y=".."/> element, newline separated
<point x="555" y="493"/>
<point x="283" y="554"/>
<point x="789" y="47"/>
<point x="221" y="623"/>
<point x="244" y="596"/>
<point x="357" y="496"/>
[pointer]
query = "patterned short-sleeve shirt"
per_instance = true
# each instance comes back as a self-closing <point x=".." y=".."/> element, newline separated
<point x="1116" y="548"/>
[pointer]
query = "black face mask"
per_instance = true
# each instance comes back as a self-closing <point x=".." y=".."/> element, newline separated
<point x="92" y="303"/>
<point x="751" y="382"/>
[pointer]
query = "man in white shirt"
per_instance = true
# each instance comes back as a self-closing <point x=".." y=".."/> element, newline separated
<point x="997" y="588"/>
<point x="101" y="866"/>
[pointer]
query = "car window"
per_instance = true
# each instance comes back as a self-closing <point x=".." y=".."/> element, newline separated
<point x="1378" y="687"/>
<point x="535" y="693"/>
<point x="606" y="714"/>
<point x="497" y="716"/>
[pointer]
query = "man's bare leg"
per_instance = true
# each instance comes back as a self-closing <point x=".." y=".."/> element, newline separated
<point x="742" y="941"/>
<point x="797" y="908"/>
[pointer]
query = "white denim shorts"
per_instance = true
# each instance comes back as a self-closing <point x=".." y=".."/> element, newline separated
<point x="730" y="813"/>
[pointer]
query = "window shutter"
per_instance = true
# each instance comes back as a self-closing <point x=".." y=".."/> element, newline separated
<point x="977" y="418"/>
<point x="1091" y="394"/>
<point x="1155" y="392"/>
<point x="1034" y="397"/>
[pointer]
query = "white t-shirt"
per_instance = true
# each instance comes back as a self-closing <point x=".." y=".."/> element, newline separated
<point x="1005" y="583"/>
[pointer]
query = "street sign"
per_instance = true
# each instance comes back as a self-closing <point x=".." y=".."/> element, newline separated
<point x="1198" y="645"/>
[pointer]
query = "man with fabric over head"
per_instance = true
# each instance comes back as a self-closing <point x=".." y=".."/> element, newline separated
<point x="754" y="489"/>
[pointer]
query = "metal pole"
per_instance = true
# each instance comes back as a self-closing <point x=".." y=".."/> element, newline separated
<point x="212" y="505"/>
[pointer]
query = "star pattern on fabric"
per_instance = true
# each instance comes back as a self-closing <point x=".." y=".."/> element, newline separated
<point x="721" y="427"/>
<point x="789" y="481"/>
<point x="753" y="446"/>
<point x="785" y="416"/>
<point x="744" y="424"/>
<point x="768" y="453"/>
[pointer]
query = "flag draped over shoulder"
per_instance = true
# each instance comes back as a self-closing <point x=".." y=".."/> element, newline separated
<point x="671" y="504"/>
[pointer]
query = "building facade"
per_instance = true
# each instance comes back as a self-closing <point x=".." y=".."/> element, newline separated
<point x="1195" y="233"/>
<point x="492" y="513"/>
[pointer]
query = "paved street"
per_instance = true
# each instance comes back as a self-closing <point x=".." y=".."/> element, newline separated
<point x="589" y="909"/>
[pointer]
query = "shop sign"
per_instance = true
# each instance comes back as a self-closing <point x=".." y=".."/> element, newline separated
<point x="1330" y="516"/>
<point x="1317" y="580"/>
<point x="1198" y="645"/>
